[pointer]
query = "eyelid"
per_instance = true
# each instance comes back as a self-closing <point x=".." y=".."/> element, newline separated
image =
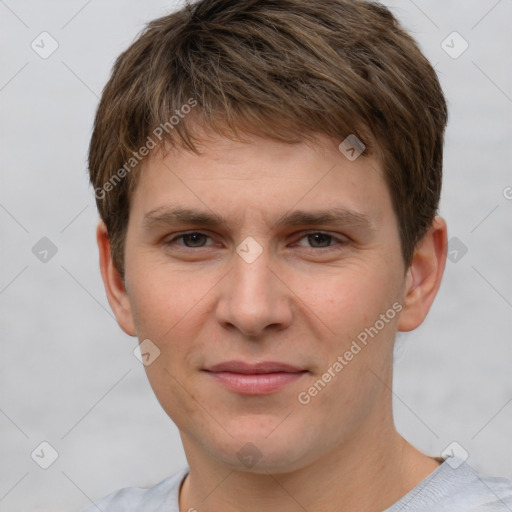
<point x="341" y="239"/>
<point x="185" y="233"/>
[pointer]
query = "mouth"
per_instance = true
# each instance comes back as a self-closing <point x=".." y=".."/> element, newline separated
<point x="255" y="379"/>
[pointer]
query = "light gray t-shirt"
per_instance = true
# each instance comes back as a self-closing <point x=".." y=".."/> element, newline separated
<point x="453" y="487"/>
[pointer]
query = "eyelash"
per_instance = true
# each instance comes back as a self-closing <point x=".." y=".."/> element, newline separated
<point x="341" y="241"/>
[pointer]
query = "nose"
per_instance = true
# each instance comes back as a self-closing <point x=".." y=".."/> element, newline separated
<point x="253" y="298"/>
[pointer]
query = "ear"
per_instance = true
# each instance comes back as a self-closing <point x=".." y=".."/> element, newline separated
<point x="114" y="285"/>
<point x="424" y="276"/>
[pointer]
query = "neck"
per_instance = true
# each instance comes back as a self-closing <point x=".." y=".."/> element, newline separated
<point x="368" y="473"/>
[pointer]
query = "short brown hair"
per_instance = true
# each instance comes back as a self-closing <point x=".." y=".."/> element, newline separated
<point x="281" y="69"/>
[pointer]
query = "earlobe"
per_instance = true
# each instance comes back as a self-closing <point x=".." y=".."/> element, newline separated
<point x="424" y="276"/>
<point x="113" y="282"/>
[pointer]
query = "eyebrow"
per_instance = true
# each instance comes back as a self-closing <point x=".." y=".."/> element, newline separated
<point x="168" y="216"/>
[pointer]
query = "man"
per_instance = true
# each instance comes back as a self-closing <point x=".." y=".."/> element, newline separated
<point x="268" y="175"/>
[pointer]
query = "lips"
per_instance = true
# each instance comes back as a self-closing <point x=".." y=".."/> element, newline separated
<point x="255" y="368"/>
<point x="255" y="379"/>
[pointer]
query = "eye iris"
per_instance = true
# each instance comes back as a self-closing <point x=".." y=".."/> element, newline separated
<point x="194" y="237"/>
<point x="317" y="236"/>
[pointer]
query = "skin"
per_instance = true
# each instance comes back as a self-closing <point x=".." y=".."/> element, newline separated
<point x="302" y="301"/>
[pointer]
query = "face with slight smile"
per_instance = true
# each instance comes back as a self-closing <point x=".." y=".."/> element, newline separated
<point x="266" y="284"/>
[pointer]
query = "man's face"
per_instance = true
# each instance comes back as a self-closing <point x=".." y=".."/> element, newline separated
<point x="261" y="288"/>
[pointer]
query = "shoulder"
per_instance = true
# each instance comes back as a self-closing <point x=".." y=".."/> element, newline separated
<point x="483" y="493"/>
<point x="457" y="487"/>
<point x="163" y="496"/>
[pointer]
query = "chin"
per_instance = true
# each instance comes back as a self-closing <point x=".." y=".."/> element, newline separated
<point x="263" y="450"/>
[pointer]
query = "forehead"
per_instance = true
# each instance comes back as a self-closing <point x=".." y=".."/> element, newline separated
<point x="285" y="182"/>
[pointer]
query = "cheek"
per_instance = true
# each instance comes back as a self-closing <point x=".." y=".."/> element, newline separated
<point x="171" y="308"/>
<point x="161" y="298"/>
<point x="167" y="309"/>
<point x="346" y="299"/>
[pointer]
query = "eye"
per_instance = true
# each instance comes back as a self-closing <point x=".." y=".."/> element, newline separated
<point x="319" y="240"/>
<point x="314" y="240"/>
<point x="194" y="239"/>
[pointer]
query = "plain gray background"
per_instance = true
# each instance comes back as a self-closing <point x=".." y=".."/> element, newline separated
<point x="68" y="374"/>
